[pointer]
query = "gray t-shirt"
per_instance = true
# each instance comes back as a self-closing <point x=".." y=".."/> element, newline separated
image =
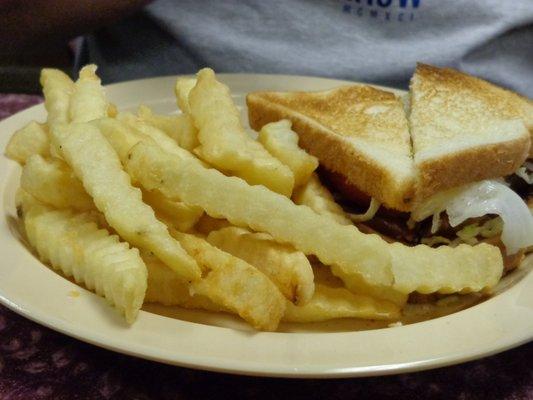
<point x="376" y="41"/>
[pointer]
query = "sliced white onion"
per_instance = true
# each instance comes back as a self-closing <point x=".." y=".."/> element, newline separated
<point x="482" y="198"/>
<point x="435" y="222"/>
<point x="369" y="214"/>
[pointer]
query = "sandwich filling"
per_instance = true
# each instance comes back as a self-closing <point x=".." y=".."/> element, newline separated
<point x="491" y="211"/>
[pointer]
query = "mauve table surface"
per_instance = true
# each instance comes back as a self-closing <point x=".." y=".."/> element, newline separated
<point x="38" y="363"/>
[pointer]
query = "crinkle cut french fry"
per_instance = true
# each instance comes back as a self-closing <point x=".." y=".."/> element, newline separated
<point x="331" y="303"/>
<point x="282" y="142"/>
<point x="96" y="164"/>
<point x="328" y="302"/>
<point x="445" y="269"/>
<point x="119" y="135"/>
<point x="27" y="141"/>
<point x="122" y="138"/>
<point x="234" y="284"/>
<point x="182" y="89"/>
<point x="181" y="216"/>
<point x="263" y="211"/>
<point x="88" y="100"/>
<point x="179" y="127"/>
<point x="358" y="286"/>
<point x="73" y="244"/>
<point x="161" y="139"/>
<point x="188" y="136"/>
<point x="377" y="262"/>
<point x="53" y="182"/>
<point x="57" y="89"/>
<point x="317" y="197"/>
<point x="333" y="300"/>
<point x="225" y="144"/>
<point x="165" y="287"/>
<point x="288" y="268"/>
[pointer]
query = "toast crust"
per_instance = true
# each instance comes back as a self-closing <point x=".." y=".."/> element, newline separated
<point x="336" y="152"/>
<point x="464" y="130"/>
<point x="469" y="165"/>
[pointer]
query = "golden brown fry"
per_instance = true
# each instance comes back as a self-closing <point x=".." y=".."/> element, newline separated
<point x="332" y="300"/>
<point x="154" y="134"/>
<point x="318" y="198"/>
<point x="282" y="142"/>
<point x="182" y="89"/>
<point x="74" y="244"/>
<point x="181" y="216"/>
<point x="165" y="287"/>
<point x="234" y="284"/>
<point x="333" y="276"/>
<point x="179" y="127"/>
<point x="88" y="101"/>
<point x="123" y="136"/>
<point x="54" y="183"/>
<point x="288" y="268"/>
<point x="119" y="135"/>
<point x="445" y="269"/>
<point x="225" y="144"/>
<point x="328" y="302"/>
<point x="57" y="89"/>
<point x="338" y="302"/>
<point x="356" y="285"/>
<point x="187" y="133"/>
<point x="97" y="165"/>
<point x="27" y="141"/>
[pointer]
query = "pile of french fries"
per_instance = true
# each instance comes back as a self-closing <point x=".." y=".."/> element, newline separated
<point x="190" y="210"/>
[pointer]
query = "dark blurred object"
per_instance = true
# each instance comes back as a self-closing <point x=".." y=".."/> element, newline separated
<point x="519" y="185"/>
<point x="36" y="34"/>
<point x="20" y="73"/>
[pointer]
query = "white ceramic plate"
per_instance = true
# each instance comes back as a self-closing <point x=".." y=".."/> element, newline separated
<point x="222" y="343"/>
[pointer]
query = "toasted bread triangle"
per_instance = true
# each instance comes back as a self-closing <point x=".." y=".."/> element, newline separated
<point x="358" y="131"/>
<point x="464" y="129"/>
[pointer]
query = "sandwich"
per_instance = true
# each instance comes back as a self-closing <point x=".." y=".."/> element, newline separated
<point x="446" y="164"/>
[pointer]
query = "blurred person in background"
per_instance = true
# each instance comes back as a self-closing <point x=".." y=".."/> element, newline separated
<point x="376" y="41"/>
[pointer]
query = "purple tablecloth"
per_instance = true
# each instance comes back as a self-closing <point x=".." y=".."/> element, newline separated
<point x="37" y="363"/>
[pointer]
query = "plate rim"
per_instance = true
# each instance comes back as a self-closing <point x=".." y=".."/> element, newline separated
<point x="237" y="367"/>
